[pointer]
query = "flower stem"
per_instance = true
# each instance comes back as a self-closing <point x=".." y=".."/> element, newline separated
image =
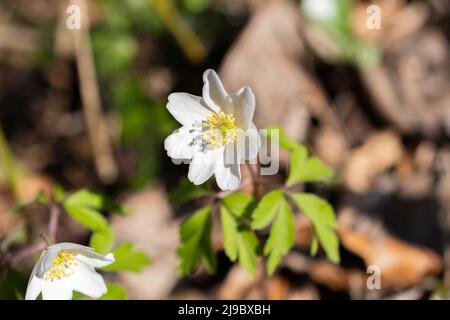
<point x="55" y="211"/>
<point x="12" y="259"/>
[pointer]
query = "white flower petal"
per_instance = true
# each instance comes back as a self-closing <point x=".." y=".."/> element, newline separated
<point x="88" y="254"/>
<point x="244" y="107"/>
<point x="187" y="108"/>
<point x="94" y="259"/>
<point x="57" y="290"/>
<point x="228" y="176"/>
<point x="88" y="282"/>
<point x="179" y="144"/>
<point x="202" y="165"/>
<point x="34" y="288"/>
<point x="215" y="94"/>
<point x="248" y="143"/>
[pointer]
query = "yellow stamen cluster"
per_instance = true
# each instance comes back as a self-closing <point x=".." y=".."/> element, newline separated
<point x="219" y="130"/>
<point x="62" y="266"/>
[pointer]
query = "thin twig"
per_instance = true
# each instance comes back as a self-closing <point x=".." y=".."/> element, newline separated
<point x="12" y="259"/>
<point x="55" y="211"/>
<point x="90" y="94"/>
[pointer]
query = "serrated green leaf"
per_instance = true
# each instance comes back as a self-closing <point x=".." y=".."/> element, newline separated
<point x="128" y="259"/>
<point x="186" y="191"/>
<point x="115" y="292"/>
<point x="248" y="248"/>
<point x="88" y="199"/>
<point x="284" y="141"/>
<point x="195" y="235"/>
<point x="90" y="218"/>
<point x="238" y="240"/>
<point x="321" y="215"/>
<point x="239" y="204"/>
<point x="85" y="198"/>
<point x="281" y="237"/>
<point x="316" y="170"/>
<point x="229" y="227"/>
<point x="266" y="209"/>
<point x="297" y="165"/>
<point x="102" y="240"/>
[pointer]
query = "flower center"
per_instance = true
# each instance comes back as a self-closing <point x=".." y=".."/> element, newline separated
<point x="62" y="266"/>
<point x="219" y="129"/>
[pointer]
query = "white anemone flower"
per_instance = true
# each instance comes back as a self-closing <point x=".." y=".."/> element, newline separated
<point x="217" y="132"/>
<point x="320" y="9"/>
<point x="67" y="267"/>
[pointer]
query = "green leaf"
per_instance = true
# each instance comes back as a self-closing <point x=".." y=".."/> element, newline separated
<point x="281" y="237"/>
<point x="90" y="218"/>
<point x="12" y="284"/>
<point x="102" y="240"/>
<point x="266" y="209"/>
<point x="287" y="143"/>
<point x="321" y="215"/>
<point x="128" y="259"/>
<point x="239" y="204"/>
<point x="314" y="245"/>
<point x="115" y="292"/>
<point x="85" y="198"/>
<point x="297" y="165"/>
<point x="88" y="199"/>
<point x="238" y="240"/>
<point x="195" y="235"/>
<point x="58" y="193"/>
<point x="229" y="232"/>
<point x="316" y="170"/>
<point x="196" y="6"/>
<point x="41" y="199"/>
<point x="186" y="191"/>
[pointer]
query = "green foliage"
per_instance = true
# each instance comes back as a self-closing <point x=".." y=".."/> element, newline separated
<point x="349" y="48"/>
<point x="186" y="191"/>
<point x="304" y="169"/>
<point x="196" y="6"/>
<point x="281" y="236"/>
<point x="89" y="199"/>
<point x="238" y="240"/>
<point x="321" y="215"/>
<point x="128" y="259"/>
<point x="12" y="284"/>
<point x="195" y="235"/>
<point x="273" y="208"/>
<point x="102" y="240"/>
<point x="266" y="209"/>
<point x="85" y="207"/>
<point x="115" y="292"/>
<point x="243" y="217"/>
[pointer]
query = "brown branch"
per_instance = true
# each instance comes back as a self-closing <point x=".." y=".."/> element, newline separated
<point x="96" y="124"/>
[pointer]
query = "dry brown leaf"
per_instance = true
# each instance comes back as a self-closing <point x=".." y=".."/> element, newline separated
<point x="276" y="288"/>
<point x="151" y="228"/>
<point x="379" y="152"/>
<point x="401" y="264"/>
<point x="238" y="284"/>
